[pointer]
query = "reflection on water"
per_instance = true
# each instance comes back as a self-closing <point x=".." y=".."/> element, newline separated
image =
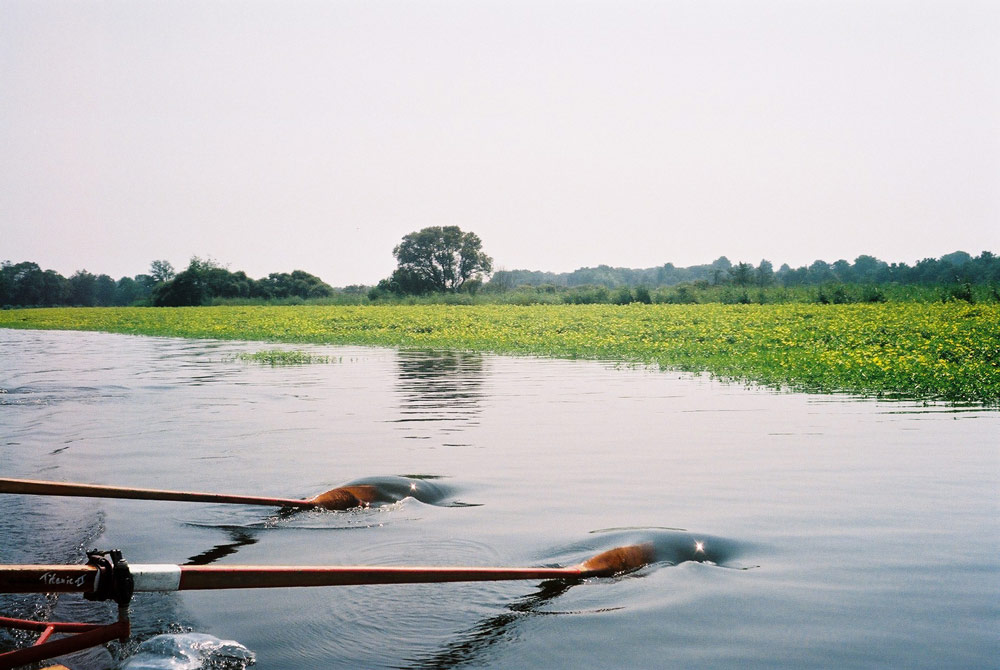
<point x="239" y="537"/>
<point x="874" y="524"/>
<point x="442" y="388"/>
<point x="389" y="490"/>
<point x="473" y="647"/>
<point x="670" y="547"/>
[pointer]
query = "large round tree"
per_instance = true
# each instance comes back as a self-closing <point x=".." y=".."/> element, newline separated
<point x="438" y="258"/>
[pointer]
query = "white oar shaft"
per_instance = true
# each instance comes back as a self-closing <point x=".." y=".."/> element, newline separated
<point x="156" y="577"/>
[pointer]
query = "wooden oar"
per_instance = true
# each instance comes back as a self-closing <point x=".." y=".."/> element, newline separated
<point x="169" y="577"/>
<point x="344" y="497"/>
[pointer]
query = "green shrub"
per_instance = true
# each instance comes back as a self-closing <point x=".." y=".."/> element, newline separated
<point x="961" y="291"/>
<point x="683" y="294"/>
<point x="873" y="294"/>
<point x="623" y="296"/>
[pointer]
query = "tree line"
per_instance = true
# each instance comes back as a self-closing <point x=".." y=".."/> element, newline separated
<point x="958" y="267"/>
<point x="25" y="284"/>
<point x="446" y="262"/>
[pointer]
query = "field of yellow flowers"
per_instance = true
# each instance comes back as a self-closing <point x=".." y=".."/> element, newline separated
<point x="947" y="351"/>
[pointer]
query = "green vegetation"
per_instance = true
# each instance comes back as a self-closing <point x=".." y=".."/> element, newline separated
<point x="437" y="260"/>
<point x="727" y="294"/>
<point x="941" y="350"/>
<point x="203" y="282"/>
<point x="276" y="357"/>
<point x="446" y="266"/>
<point x="954" y="268"/>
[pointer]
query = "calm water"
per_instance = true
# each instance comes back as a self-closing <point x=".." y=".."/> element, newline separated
<point x="837" y="532"/>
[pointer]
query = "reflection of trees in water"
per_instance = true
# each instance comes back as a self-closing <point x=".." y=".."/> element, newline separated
<point x="239" y="537"/>
<point x="474" y="645"/>
<point x="440" y="390"/>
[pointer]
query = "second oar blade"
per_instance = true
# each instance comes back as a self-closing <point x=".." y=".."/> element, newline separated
<point x="618" y="561"/>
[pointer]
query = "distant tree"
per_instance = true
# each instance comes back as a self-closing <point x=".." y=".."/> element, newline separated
<point x="900" y="273"/>
<point x="722" y="263"/>
<point x="186" y="289"/>
<point x="55" y="288"/>
<point x="956" y="258"/>
<point x="843" y="271"/>
<point x="25" y="283"/>
<point x="765" y="273"/>
<point x="439" y="259"/>
<point x="867" y="268"/>
<point x="161" y="271"/>
<point x="299" y="284"/>
<point x="127" y="292"/>
<point x="205" y="280"/>
<point x="930" y="270"/>
<point x="741" y="274"/>
<point x="190" y="287"/>
<point x="145" y="285"/>
<point x="104" y="291"/>
<point x="5" y="283"/>
<point x="602" y="275"/>
<point x="820" y="272"/>
<point x="404" y="282"/>
<point x="794" y="277"/>
<point x="623" y="296"/>
<point x="502" y="280"/>
<point x="986" y="267"/>
<point x="667" y="274"/>
<point x="83" y="289"/>
<point x="720" y="266"/>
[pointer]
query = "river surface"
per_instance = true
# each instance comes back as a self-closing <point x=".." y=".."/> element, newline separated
<point x="790" y="530"/>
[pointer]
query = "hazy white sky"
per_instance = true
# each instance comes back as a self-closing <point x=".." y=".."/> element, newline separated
<point x="283" y="135"/>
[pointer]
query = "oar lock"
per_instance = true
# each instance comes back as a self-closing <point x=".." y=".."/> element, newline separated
<point x="114" y="579"/>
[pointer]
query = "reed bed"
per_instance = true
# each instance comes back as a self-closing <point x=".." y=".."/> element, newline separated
<point x="944" y="351"/>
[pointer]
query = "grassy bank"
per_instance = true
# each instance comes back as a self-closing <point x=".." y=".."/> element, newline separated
<point x="947" y="351"/>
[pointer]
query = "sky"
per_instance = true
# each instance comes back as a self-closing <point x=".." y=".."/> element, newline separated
<point x="314" y="135"/>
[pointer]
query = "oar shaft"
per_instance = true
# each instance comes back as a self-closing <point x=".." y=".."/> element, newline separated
<point x="238" y="577"/>
<point x="153" y="577"/>
<point x="170" y="577"/>
<point x="47" y="578"/>
<point x="39" y="487"/>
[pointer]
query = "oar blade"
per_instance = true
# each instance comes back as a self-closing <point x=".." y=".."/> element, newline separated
<point x="618" y="561"/>
<point x="345" y="497"/>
